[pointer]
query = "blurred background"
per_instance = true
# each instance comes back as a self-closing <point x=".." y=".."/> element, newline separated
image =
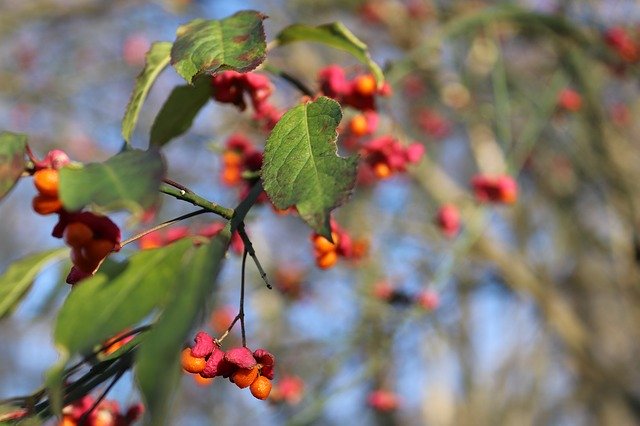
<point x="528" y="314"/>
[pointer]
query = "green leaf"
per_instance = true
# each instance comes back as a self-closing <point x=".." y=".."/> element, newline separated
<point x="205" y="47"/>
<point x="17" y="279"/>
<point x="102" y="306"/>
<point x="177" y="113"/>
<point x="157" y="59"/>
<point x="128" y="180"/>
<point x="335" y="35"/>
<point x="301" y="165"/>
<point x="158" y="360"/>
<point x="12" y="150"/>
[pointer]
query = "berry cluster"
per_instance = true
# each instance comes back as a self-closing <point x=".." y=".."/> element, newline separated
<point x="45" y="179"/>
<point x="623" y="44"/>
<point x="289" y="390"/>
<point x="448" y="220"/>
<point x="569" y="100"/>
<point x="106" y="413"/>
<point x="231" y="86"/>
<point x="359" y="92"/>
<point x="327" y="252"/>
<point x="254" y="370"/>
<point x="241" y="156"/>
<point x="385" y="291"/>
<point x="385" y="156"/>
<point x="383" y="400"/>
<point x="434" y="124"/>
<point x="496" y="189"/>
<point x="91" y="236"/>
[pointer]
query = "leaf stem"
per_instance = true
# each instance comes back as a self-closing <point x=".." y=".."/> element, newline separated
<point x="163" y="225"/>
<point x="196" y="200"/>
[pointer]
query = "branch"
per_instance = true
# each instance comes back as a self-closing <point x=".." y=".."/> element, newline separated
<point x="197" y="200"/>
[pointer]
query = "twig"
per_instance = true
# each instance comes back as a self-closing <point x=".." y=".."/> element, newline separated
<point x="197" y="200"/>
<point x="295" y="82"/>
<point x="177" y="185"/>
<point x="162" y="225"/>
<point x="241" y="310"/>
<point x="249" y="249"/>
<point x="98" y="400"/>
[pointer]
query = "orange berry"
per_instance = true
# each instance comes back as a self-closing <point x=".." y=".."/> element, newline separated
<point x="46" y="182"/>
<point x="68" y="421"/>
<point x="322" y="245"/>
<point x="190" y="363"/>
<point x="45" y="205"/>
<point x="244" y="377"/>
<point x="96" y="250"/>
<point x="202" y="381"/>
<point x="382" y="170"/>
<point x="231" y="158"/>
<point x="231" y="175"/>
<point x="77" y="234"/>
<point x="261" y="387"/>
<point x="358" y="125"/>
<point x="327" y="260"/>
<point x="365" y="85"/>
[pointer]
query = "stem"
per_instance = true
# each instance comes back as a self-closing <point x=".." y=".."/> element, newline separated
<point x="94" y="354"/>
<point x="241" y="311"/>
<point x="98" y="400"/>
<point x="249" y="248"/>
<point x="295" y="82"/>
<point x="162" y="225"/>
<point x="177" y="185"/>
<point x="196" y="200"/>
<point x="226" y="333"/>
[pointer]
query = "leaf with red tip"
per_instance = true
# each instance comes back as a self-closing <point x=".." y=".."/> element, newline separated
<point x="242" y="357"/>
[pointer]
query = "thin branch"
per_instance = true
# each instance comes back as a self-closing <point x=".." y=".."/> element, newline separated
<point x="197" y="200"/>
<point x="177" y="185"/>
<point x="241" y="311"/>
<point x="163" y="225"/>
<point x="98" y="400"/>
<point x="295" y="82"/>
<point x="249" y="248"/>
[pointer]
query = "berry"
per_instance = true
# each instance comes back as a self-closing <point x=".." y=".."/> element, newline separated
<point x="204" y="345"/>
<point x="244" y="377"/>
<point x="46" y="182"/>
<point x="569" y="100"/>
<point x="365" y="85"/>
<point x="323" y="245"/>
<point x="77" y="234"/>
<point x="202" y="381"/>
<point x="327" y="260"/>
<point x="382" y="400"/>
<point x="261" y="387"/>
<point x="46" y="205"/>
<point x="96" y="250"/>
<point x="358" y="125"/>
<point x="448" y="220"/>
<point x="191" y="363"/>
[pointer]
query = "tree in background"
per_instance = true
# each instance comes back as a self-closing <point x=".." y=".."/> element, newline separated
<point x="451" y="238"/>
